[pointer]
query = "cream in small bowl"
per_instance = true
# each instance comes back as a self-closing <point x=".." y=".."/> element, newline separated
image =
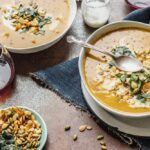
<point x="121" y="93"/>
<point x="30" y="26"/>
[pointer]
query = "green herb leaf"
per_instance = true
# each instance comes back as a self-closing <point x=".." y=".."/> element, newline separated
<point x="30" y="15"/>
<point x="7" y="142"/>
<point x="123" y="51"/>
<point x="143" y="97"/>
<point x="6" y="135"/>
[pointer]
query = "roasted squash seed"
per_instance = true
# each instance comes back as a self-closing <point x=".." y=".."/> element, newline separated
<point x="82" y="128"/>
<point x="102" y="142"/>
<point x="22" y="125"/>
<point x="67" y="127"/>
<point x="103" y="147"/>
<point x="89" y="128"/>
<point x="75" y="137"/>
<point x="4" y="126"/>
<point x="100" y="137"/>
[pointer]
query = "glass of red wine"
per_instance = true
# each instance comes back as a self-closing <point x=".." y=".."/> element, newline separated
<point x="7" y="71"/>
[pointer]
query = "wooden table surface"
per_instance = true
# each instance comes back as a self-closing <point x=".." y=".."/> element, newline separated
<point x="55" y="111"/>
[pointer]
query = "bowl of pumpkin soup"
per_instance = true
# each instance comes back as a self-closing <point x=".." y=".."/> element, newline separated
<point x="121" y="93"/>
<point x="30" y="26"/>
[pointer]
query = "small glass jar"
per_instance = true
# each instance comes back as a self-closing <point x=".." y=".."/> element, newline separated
<point x="95" y="12"/>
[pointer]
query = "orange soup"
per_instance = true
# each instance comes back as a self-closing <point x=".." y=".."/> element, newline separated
<point x="124" y="91"/>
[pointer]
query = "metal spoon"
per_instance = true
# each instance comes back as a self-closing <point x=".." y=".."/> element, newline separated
<point x="125" y="63"/>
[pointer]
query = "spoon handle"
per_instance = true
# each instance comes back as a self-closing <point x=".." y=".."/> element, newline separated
<point x="72" y="39"/>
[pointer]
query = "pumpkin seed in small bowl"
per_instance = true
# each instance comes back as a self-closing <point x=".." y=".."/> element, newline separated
<point x="26" y="128"/>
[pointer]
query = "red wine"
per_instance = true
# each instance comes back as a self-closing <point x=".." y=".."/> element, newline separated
<point x="5" y="94"/>
<point x="139" y="3"/>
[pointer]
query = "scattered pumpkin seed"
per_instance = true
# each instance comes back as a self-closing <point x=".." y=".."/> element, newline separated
<point x="82" y="128"/>
<point x="103" y="147"/>
<point x="100" y="137"/>
<point x="67" y="128"/>
<point x="102" y="142"/>
<point x="75" y="137"/>
<point x="89" y="128"/>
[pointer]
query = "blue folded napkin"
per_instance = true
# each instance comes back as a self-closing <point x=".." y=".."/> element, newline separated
<point x="64" y="79"/>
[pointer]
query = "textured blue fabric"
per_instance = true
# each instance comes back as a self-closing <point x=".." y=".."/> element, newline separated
<point x="64" y="79"/>
<point x="141" y="15"/>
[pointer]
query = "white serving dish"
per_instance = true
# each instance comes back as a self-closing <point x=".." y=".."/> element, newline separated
<point x="94" y="37"/>
<point x="134" y="126"/>
<point x="73" y="10"/>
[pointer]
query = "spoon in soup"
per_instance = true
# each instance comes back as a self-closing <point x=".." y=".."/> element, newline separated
<point x="124" y="63"/>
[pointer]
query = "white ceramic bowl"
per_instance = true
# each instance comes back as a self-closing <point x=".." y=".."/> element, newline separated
<point x="73" y="10"/>
<point x="94" y="37"/>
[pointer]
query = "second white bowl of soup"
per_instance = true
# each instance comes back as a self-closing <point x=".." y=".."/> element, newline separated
<point x="121" y="93"/>
<point x="30" y="26"/>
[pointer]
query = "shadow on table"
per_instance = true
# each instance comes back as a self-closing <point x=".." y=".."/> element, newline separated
<point x="25" y="63"/>
<point x="47" y="145"/>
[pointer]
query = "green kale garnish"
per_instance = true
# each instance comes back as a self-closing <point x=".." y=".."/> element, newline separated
<point x="123" y="51"/>
<point x="135" y="81"/>
<point x="25" y="19"/>
<point x="7" y="142"/>
<point x="143" y="97"/>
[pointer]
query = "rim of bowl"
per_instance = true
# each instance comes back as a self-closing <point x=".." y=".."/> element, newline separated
<point x="42" y="120"/>
<point x="133" y="6"/>
<point x="81" y="71"/>
<point x="105" y="3"/>
<point x="73" y="12"/>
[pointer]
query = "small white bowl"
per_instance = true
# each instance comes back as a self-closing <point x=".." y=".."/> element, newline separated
<point x="73" y="11"/>
<point x="94" y="37"/>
